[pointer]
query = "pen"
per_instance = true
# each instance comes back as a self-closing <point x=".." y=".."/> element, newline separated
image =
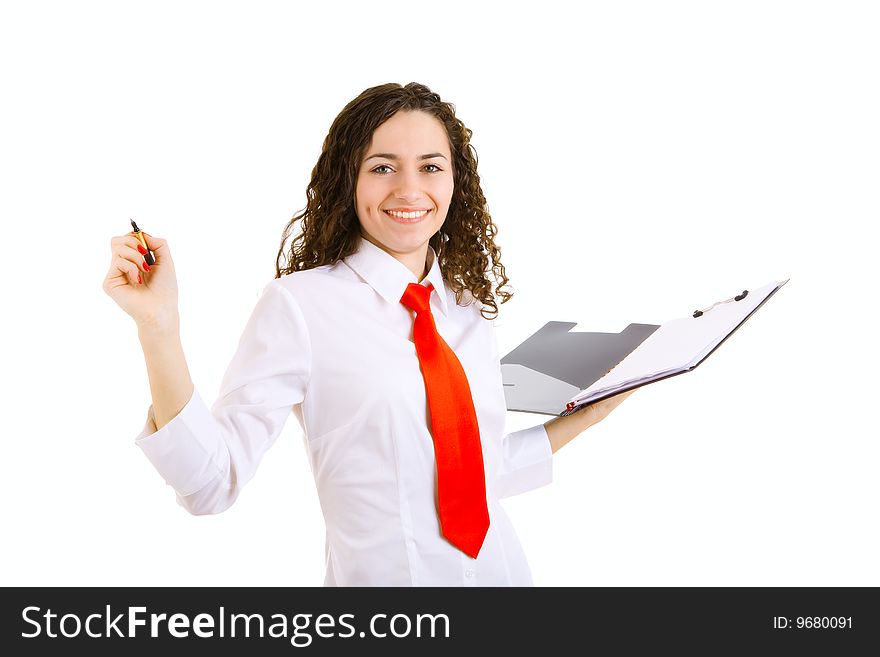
<point x="137" y="233"/>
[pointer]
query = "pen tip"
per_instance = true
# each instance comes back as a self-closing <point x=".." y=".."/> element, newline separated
<point x="134" y="225"/>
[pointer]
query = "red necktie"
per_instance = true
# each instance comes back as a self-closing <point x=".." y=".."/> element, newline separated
<point x="461" y="482"/>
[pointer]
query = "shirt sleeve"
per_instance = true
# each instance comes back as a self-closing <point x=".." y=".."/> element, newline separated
<point x="527" y="461"/>
<point x="208" y="455"/>
<point x="527" y="456"/>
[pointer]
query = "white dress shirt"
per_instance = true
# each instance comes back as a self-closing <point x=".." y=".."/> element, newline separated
<point x="334" y="345"/>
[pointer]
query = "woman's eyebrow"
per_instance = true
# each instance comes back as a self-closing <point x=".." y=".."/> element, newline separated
<point x="392" y="156"/>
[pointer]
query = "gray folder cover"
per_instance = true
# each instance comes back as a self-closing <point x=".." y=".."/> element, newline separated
<point x="555" y="364"/>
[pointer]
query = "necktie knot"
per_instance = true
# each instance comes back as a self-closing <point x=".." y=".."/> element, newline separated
<point x="417" y="297"/>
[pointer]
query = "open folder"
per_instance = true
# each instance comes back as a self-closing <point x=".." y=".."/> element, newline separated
<point x="558" y="372"/>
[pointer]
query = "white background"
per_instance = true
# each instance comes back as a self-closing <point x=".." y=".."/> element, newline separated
<point x="641" y="160"/>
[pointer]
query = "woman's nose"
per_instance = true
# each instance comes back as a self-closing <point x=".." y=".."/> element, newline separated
<point x="408" y="185"/>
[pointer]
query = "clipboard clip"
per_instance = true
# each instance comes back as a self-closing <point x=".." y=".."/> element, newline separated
<point x="738" y="297"/>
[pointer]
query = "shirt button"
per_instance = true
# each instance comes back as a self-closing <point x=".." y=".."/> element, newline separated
<point x="469" y="573"/>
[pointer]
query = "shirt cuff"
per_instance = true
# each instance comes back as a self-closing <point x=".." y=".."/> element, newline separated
<point x="528" y="461"/>
<point x="189" y="451"/>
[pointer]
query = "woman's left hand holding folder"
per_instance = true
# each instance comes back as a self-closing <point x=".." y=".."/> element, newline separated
<point x="562" y="429"/>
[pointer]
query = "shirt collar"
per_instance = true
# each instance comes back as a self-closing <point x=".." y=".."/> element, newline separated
<point x="389" y="277"/>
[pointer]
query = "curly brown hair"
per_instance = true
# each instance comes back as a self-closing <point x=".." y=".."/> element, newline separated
<point x="465" y="244"/>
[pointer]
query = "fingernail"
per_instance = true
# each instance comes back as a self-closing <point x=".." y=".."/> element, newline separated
<point x="139" y="278"/>
<point x="142" y="250"/>
<point x="146" y="266"/>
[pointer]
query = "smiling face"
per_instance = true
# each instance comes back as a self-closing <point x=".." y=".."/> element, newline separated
<point x="404" y="186"/>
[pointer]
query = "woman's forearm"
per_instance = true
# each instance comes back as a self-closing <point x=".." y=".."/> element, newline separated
<point x="560" y="430"/>
<point x="170" y="383"/>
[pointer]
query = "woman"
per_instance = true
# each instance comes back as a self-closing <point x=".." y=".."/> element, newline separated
<point x="376" y="333"/>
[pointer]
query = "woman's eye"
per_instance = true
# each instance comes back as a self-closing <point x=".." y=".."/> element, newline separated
<point x="435" y="166"/>
<point x="381" y="166"/>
